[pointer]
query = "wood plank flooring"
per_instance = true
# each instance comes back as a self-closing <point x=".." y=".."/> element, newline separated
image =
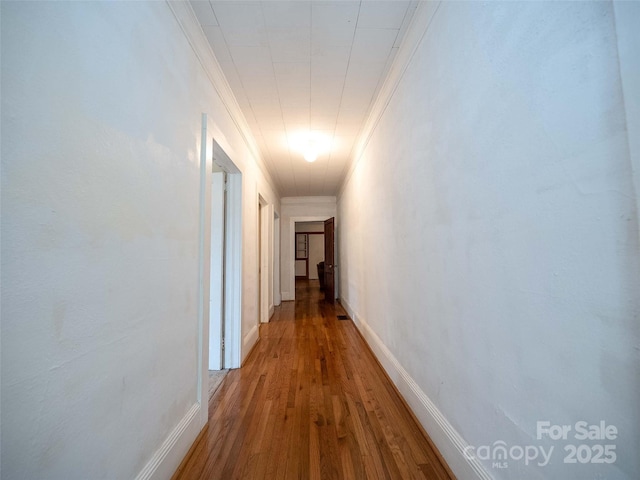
<point x="311" y="402"/>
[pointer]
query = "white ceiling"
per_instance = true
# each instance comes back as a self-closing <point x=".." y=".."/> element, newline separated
<point x="298" y="66"/>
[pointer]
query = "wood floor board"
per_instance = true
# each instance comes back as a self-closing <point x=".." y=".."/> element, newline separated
<point x="310" y="402"/>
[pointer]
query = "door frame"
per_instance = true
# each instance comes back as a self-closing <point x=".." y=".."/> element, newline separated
<point x="330" y="267"/>
<point x="265" y="260"/>
<point x="292" y="244"/>
<point x="210" y="150"/>
<point x="277" y="296"/>
<point x="233" y="259"/>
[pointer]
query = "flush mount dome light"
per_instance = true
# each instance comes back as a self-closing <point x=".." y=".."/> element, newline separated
<point x="310" y="144"/>
<point x="311" y="155"/>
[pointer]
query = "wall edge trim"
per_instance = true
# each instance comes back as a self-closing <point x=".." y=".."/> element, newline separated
<point x="448" y="441"/>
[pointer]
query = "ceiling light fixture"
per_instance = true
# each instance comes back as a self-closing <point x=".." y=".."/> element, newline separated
<point x="311" y="150"/>
<point x="310" y="144"/>
<point x="311" y="155"/>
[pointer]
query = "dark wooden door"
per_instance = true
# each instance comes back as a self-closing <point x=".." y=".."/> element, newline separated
<point x="329" y="279"/>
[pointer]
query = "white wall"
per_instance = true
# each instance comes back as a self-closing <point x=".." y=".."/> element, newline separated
<point x="298" y="209"/>
<point x="309" y="226"/>
<point x="316" y="254"/>
<point x="301" y="268"/>
<point x="498" y="184"/>
<point x="101" y="117"/>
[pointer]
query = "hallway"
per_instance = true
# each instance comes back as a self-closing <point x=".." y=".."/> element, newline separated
<point x="310" y="402"/>
<point x="481" y="162"/>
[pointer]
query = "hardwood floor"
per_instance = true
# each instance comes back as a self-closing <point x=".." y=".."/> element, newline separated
<point x="311" y="402"/>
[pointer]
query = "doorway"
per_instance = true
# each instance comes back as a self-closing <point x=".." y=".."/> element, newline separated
<point x="309" y="250"/>
<point x="220" y="264"/>
<point x="292" y="247"/>
<point x="225" y="305"/>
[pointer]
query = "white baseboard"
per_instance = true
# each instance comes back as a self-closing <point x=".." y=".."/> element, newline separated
<point x="448" y="441"/>
<point x="168" y="457"/>
<point x="286" y="296"/>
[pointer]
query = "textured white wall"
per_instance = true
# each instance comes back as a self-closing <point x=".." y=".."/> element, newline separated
<point x="301" y="268"/>
<point x="309" y="226"/>
<point x="302" y="209"/>
<point x="316" y="254"/>
<point x="498" y="187"/>
<point x="101" y="112"/>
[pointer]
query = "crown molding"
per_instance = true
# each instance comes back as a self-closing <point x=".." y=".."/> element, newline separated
<point x="190" y="26"/>
<point x="417" y="28"/>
